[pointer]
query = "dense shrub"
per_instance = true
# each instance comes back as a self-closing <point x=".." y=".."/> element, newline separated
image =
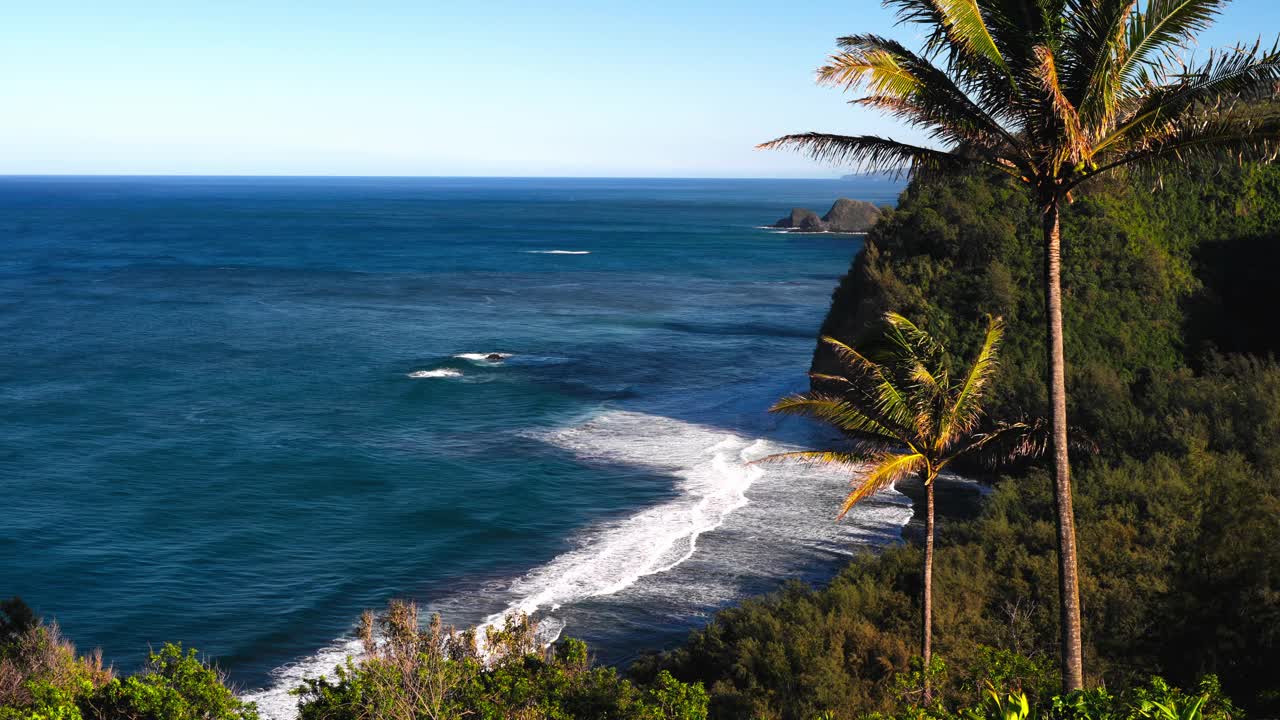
<point x="43" y="678"/>
<point x="411" y="673"/>
<point x="173" y="686"/>
<point x="1153" y="700"/>
<point x="41" y="675"/>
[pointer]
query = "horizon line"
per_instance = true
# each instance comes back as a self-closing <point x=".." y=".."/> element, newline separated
<point x="413" y="177"/>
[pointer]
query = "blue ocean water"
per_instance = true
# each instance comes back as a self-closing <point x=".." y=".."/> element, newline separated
<point x="236" y="411"/>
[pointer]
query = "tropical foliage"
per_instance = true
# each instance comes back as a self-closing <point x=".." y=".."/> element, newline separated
<point x="1154" y="700"/>
<point x="1053" y="93"/>
<point x="411" y="673"/>
<point x="906" y="413"/>
<point x="42" y="677"/>
<point x="408" y="672"/>
<point x="1179" y="508"/>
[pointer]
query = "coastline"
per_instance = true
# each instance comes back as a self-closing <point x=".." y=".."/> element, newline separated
<point x="956" y="499"/>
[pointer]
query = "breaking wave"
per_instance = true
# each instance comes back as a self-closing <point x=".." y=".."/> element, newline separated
<point x="712" y="480"/>
<point x="440" y="373"/>
<point x="481" y="357"/>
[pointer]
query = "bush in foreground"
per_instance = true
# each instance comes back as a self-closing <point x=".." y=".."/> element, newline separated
<point x="411" y="673"/>
<point x="1155" y="700"/>
<point x="42" y="677"/>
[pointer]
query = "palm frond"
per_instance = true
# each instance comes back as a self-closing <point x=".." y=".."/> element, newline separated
<point x="1241" y="74"/>
<point x="908" y="86"/>
<point x="967" y="28"/>
<point x="855" y="361"/>
<point x="927" y="379"/>
<point x="871" y="63"/>
<point x="956" y="25"/>
<point x="824" y="377"/>
<point x="925" y="13"/>
<point x="888" y="469"/>
<point x="1232" y="134"/>
<point x="870" y="153"/>
<point x="1012" y="441"/>
<point x="841" y="458"/>
<point x="881" y="394"/>
<point x="967" y="33"/>
<point x="923" y="369"/>
<point x="1161" y="29"/>
<point x="1093" y="48"/>
<point x="913" y="342"/>
<point x="840" y="414"/>
<point x="1007" y="442"/>
<point x="966" y="410"/>
<point x="1069" y="143"/>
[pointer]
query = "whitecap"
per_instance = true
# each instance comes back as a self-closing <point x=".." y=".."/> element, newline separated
<point x="440" y="373"/>
<point x="482" y="357"/>
<point x="558" y="252"/>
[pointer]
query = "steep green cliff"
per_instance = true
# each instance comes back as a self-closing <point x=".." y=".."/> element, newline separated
<point x="1170" y="315"/>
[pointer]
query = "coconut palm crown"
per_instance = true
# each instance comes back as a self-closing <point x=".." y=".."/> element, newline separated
<point x="1053" y="93"/>
<point x="905" y="414"/>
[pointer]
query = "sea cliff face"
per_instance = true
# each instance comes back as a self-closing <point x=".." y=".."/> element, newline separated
<point x="955" y="250"/>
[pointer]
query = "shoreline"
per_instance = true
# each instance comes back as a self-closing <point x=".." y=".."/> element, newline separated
<point x="955" y="499"/>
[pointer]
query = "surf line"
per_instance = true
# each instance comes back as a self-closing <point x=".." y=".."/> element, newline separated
<point x="712" y="476"/>
<point x="711" y="479"/>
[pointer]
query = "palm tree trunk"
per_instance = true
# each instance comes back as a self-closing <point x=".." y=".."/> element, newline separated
<point x="927" y="624"/>
<point x="1068" y="577"/>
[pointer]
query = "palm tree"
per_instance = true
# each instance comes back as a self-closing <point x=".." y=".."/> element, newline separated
<point x="1053" y="93"/>
<point x="905" y="415"/>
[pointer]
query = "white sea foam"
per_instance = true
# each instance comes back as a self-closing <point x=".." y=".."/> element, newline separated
<point x="440" y="373"/>
<point x="482" y="357"/>
<point x="558" y="252"/>
<point x="793" y="512"/>
<point x="277" y="702"/>
<point x="712" y="478"/>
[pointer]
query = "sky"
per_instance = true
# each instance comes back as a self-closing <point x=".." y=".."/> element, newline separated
<point x="653" y="88"/>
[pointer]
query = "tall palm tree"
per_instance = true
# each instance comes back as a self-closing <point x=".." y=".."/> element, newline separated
<point x="1053" y="93"/>
<point x="906" y="414"/>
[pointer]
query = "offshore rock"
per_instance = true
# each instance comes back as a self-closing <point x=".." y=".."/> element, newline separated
<point x="851" y="216"/>
<point x="845" y="216"/>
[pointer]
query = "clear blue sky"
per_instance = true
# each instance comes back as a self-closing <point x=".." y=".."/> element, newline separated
<point x="427" y="87"/>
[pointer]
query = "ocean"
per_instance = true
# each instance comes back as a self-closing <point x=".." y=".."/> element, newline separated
<point x="239" y="411"/>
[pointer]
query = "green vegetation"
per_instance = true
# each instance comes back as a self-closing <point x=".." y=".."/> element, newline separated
<point x="904" y="413"/>
<point x="1054" y="94"/>
<point x="1178" y="509"/>
<point x="408" y="673"/>
<point x="43" y="678"/>
<point x="1155" y="700"/>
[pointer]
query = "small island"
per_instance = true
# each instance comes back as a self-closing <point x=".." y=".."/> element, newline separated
<point x="845" y="216"/>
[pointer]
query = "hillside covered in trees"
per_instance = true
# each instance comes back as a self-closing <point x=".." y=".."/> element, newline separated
<point x="1171" y="337"/>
